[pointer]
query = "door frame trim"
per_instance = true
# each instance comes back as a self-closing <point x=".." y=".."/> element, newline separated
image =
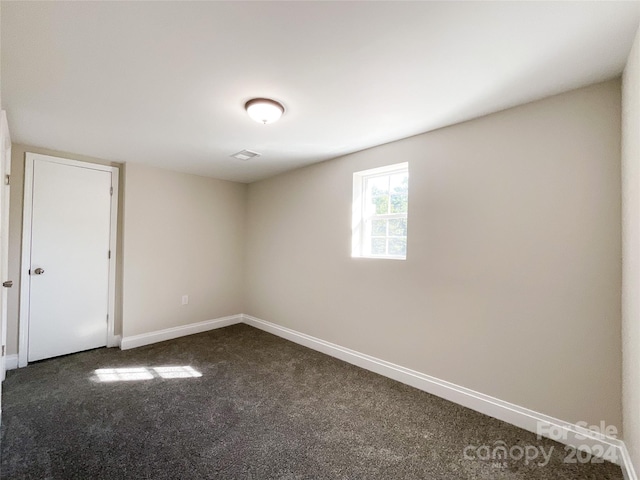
<point x="23" y="318"/>
<point x="5" y="145"/>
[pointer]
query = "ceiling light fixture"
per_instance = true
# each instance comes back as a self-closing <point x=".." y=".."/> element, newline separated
<point x="264" y="110"/>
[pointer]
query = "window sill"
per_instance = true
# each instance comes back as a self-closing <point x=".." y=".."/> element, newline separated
<point x="379" y="257"/>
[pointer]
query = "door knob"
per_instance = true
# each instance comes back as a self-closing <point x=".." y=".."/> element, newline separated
<point x="7" y="284"/>
<point x="38" y="271"/>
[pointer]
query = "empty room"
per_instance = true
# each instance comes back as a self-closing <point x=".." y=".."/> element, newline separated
<point x="320" y="240"/>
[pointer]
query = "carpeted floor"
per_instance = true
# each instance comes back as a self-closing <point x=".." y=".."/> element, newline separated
<point x="262" y="408"/>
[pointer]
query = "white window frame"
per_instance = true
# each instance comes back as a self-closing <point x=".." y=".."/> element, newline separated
<point x="360" y="246"/>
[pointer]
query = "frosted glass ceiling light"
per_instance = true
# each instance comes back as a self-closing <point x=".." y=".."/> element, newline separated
<point x="264" y="110"/>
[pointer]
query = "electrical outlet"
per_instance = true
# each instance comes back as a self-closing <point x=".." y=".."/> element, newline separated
<point x="185" y="299"/>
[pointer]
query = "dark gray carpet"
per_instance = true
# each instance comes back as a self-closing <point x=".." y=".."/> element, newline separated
<point x="263" y="408"/>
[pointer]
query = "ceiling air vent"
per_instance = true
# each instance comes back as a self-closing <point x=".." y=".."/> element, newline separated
<point x="245" y="155"/>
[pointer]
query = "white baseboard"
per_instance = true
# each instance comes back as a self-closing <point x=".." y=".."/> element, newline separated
<point x="11" y="362"/>
<point x="532" y="421"/>
<point x="114" y="341"/>
<point x="538" y="423"/>
<point x="175" y="332"/>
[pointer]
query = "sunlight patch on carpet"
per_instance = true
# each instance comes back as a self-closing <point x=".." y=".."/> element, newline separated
<point x="129" y="374"/>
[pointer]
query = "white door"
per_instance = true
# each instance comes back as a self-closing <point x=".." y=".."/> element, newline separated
<point x="69" y="264"/>
<point x="5" y="171"/>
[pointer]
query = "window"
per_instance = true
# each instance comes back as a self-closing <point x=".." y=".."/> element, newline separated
<point x="380" y="205"/>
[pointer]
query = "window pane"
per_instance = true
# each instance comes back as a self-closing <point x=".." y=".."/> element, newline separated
<point x="377" y="186"/>
<point x="397" y="227"/>
<point x="397" y="246"/>
<point x="378" y="246"/>
<point x="399" y="203"/>
<point x="381" y="204"/>
<point x="379" y="228"/>
<point x="400" y="183"/>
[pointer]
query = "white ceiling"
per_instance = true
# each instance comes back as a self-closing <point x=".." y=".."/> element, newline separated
<point x="165" y="83"/>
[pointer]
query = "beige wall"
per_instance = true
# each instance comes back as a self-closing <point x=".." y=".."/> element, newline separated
<point x="631" y="252"/>
<point x="512" y="282"/>
<point x="183" y="234"/>
<point x="15" y="236"/>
